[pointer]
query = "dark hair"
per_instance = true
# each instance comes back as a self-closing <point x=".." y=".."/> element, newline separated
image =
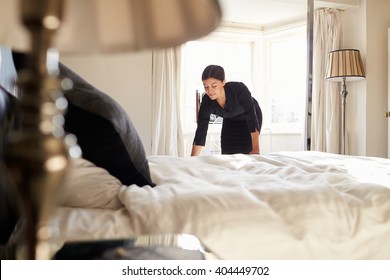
<point x="213" y="71"/>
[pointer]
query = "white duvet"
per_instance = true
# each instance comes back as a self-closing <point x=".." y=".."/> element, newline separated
<point x="290" y="205"/>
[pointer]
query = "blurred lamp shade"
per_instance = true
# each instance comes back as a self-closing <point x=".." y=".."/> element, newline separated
<point x="115" y="25"/>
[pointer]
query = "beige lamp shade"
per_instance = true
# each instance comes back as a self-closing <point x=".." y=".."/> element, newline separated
<point x="115" y="25"/>
<point x="346" y="63"/>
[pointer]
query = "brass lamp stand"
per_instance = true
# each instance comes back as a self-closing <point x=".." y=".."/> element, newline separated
<point x="37" y="158"/>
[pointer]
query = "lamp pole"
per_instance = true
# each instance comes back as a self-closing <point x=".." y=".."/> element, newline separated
<point x="343" y="94"/>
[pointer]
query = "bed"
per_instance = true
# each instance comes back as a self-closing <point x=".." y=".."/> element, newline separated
<point x="285" y="205"/>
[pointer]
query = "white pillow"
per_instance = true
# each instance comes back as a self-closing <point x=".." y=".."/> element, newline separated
<point x="89" y="186"/>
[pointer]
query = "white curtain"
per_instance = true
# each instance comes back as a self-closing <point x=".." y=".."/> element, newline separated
<point x="325" y="123"/>
<point x="167" y="137"/>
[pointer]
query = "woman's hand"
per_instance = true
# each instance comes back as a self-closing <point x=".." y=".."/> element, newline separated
<point x="255" y="143"/>
<point x="196" y="150"/>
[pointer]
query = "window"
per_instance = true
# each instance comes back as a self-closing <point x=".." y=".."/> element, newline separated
<point x="236" y="57"/>
<point x="285" y="80"/>
<point x="272" y="65"/>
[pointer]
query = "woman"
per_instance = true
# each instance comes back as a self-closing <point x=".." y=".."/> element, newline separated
<point x="242" y="116"/>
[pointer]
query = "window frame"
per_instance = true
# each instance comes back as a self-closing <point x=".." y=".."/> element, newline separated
<point x="265" y="95"/>
<point x="224" y="35"/>
<point x="258" y="87"/>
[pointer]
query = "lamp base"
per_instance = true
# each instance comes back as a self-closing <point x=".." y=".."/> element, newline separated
<point x="37" y="159"/>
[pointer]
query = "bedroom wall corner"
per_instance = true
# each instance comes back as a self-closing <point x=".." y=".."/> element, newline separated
<point x="367" y="100"/>
<point x="378" y="21"/>
<point x="354" y="36"/>
<point x="126" y="77"/>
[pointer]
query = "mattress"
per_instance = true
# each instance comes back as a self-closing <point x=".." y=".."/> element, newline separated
<point x="285" y="205"/>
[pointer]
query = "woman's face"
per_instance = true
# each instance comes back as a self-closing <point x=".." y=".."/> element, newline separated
<point x="213" y="87"/>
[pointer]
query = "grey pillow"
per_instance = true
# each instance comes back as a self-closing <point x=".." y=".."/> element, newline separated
<point x="104" y="131"/>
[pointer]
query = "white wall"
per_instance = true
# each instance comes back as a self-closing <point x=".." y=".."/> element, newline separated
<point x="127" y="77"/>
<point x="355" y="38"/>
<point x="365" y="28"/>
<point x="378" y="21"/>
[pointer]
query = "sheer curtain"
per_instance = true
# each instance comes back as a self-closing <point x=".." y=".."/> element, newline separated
<point x="167" y="137"/>
<point x="325" y="125"/>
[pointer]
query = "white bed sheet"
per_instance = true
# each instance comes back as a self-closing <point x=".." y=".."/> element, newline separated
<point x="288" y="205"/>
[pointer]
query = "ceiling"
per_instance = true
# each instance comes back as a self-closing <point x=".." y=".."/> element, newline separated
<point x="261" y="12"/>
